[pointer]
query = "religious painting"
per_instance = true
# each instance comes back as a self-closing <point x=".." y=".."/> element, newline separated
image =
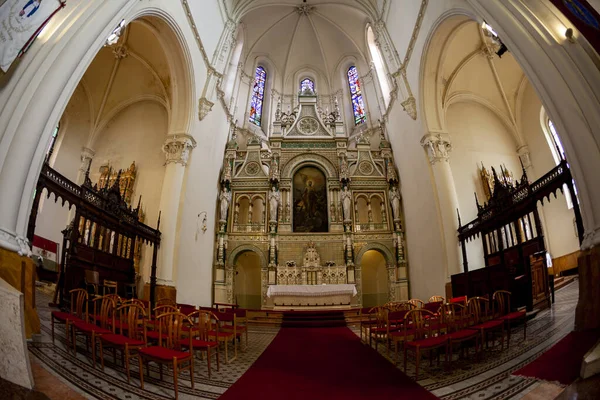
<point x="310" y="200"/>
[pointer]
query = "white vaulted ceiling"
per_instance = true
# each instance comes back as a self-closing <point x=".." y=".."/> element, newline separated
<point x="293" y="39"/>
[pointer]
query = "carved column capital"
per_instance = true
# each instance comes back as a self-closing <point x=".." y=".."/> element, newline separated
<point x="438" y="146"/>
<point x="86" y="157"/>
<point x="525" y="156"/>
<point x="177" y="148"/>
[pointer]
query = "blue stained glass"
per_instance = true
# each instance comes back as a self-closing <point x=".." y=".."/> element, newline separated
<point x="258" y="95"/>
<point x="358" y="106"/>
<point x="307" y="84"/>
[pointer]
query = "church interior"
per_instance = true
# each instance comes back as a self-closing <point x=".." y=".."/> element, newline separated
<point x="319" y="199"/>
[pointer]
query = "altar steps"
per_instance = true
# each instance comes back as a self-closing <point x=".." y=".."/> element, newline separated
<point x="313" y="319"/>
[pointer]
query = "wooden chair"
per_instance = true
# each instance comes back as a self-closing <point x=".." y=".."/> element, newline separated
<point x="435" y="299"/>
<point x="132" y="339"/>
<point x="367" y="320"/>
<point x="454" y="315"/>
<point x="201" y="342"/>
<point x="169" y="350"/>
<point x="79" y="311"/>
<point x="104" y="307"/>
<point x="110" y="286"/>
<point x="96" y="318"/>
<point x="460" y="300"/>
<point x="379" y="329"/>
<point x="399" y="335"/>
<point x="241" y="328"/>
<point x="92" y="279"/>
<point x="418" y="323"/>
<point x="417" y="303"/>
<point x="479" y="310"/>
<point x="225" y="330"/>
<point x="165" y="301"/>
<point x="152" y="323"/>
<point x="505" y="313"/>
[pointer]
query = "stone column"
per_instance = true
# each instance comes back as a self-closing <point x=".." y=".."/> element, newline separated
<point x="438" y="147"/>
<point x="177" y="149"/>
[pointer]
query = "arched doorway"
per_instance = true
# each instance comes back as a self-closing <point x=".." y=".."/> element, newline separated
<point x="374" y="279"/>
<point x="247" y="280"/>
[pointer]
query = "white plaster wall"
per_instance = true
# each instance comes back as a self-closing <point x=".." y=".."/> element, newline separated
<point x="477" y="135"/>
<point x="72" y="136"/>
<point x="136" y="134"/>
<point x="561" y="237"/>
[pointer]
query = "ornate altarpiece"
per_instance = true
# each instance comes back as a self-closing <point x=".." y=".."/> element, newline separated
<point x="362" y="205"/>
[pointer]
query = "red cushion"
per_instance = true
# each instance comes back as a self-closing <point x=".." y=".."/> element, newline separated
<point x="463" y="334"/>
<point x="124" y="325"/>
<point x="152" y="335"/>
<point x="198" y="344"/>
<point x="63" y="316"/>
<point x="163" y="353"/>
<point x="87" y="327"/>
<point x="221" y="334"/>
<point x="495" y="323"/>
<point x="409" y="332"/>
<point x="121" y="340"/>
<point x="429" y="342"/>
<point x="514" y="315"/>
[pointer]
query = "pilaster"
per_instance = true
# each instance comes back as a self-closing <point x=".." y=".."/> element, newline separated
<point x="177" y="149"/>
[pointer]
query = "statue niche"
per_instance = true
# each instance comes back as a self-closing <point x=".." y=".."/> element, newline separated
<point x="310" y="200"/>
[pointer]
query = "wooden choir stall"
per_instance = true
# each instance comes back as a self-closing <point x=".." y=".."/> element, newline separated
<point x="513" y="239"/>
<point x="102" y="236"/>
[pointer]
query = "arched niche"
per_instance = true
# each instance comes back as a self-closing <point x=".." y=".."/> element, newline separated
<point x="309" y="204"/>
<point x="374" y="278"/>
<point x="247" y="285"/>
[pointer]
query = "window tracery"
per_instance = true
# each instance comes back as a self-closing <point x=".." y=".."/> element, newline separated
<point x="358" y="106"/>
<point x="307" y="84"/>
<point x="258" y="95"/>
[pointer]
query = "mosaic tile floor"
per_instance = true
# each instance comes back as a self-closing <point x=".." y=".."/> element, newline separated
<point x="489" y="378"/>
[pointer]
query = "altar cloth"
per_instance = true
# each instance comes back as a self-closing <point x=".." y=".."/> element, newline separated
<point x="311" y="290"/>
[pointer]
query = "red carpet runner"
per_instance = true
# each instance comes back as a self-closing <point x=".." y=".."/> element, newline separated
<point x="562" y="362"/>
<point x="323" y="363"/>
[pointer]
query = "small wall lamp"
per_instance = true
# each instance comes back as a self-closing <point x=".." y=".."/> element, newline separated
<point x="204" y="216"/>
<point x="569" y="35"/>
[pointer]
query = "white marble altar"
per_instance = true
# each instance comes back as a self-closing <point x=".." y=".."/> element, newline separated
<point x="311" y="295"/>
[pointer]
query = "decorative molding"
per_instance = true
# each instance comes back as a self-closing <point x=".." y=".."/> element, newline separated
<point x="410" y="106"/>
<point x="438" y="147"/>
<point x="204" y="107"/>
<point x="525" y="156"/>
<point x="415" y="34"/>
<point x="86" y="157"/>
<point x="177" y="149"/>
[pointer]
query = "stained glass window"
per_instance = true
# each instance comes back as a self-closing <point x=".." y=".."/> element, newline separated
<point x="558" y="153"/>
<point x="358" y="106"/>
<point x="258" y="95"/>
<point x="307" y="84"/>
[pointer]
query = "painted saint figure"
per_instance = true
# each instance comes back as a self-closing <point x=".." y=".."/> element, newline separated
<point x="274" y="199"/>
<point x="225" y="199"/>
<point x="29" y="8"/>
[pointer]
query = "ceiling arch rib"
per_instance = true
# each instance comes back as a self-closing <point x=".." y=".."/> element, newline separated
<point x="293" y="34"/>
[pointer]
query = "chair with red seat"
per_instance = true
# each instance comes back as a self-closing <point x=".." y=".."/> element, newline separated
<point x="460" y="300"/>
<point x="226" y="332"/>
<point x="424" y="338"/>
<point x="378" y="330"/>
<point x="479" y="310"/>
<point x="398" y="335"/>
<point x="435" y="299"/>
<point x="152" y="323"/>
<point x="79" y="311"/>
<point x="96" y="318"/>
<point x="201" y="342"/>
<point x="169" y="351"/>
<point x="367" y="320"/>
<point x="417" y="303"/>
<point x="455" y="318"/>
<point x="132" y="315"/>
<point x="241" y="325"/>
<point x="505" y="313"/>
<point x="104" y="307"/>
